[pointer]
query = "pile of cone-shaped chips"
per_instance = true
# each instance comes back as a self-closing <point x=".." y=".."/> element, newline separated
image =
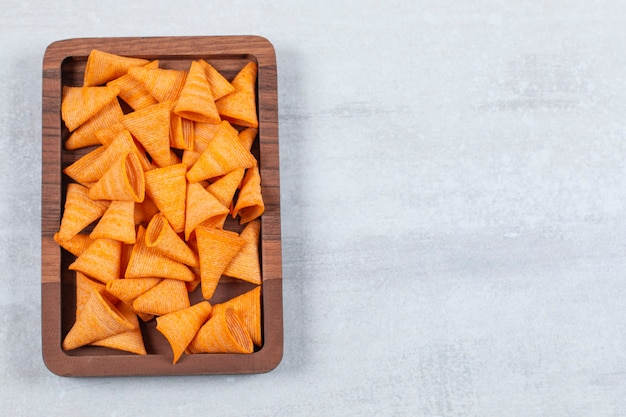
<point x="168" y="159"/>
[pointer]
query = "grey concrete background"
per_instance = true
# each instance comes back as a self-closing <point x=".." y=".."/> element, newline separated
<point x="454" y="208"/>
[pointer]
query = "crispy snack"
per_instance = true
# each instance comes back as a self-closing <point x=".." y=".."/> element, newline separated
<point x="167" y="187"/>
<point x="248" y="136"/>
<point x="223" y="154"/>
<point x="132" y="92"/>
<point x="130" y="340"/>
<point x="245" y="265"/>
<point x="249" y="204"/>
<point x="151" y="127"/>
<point x="80" y="104"/>
<point x="75" y="245"/>
<point x="161" y="236"/>
<point x="222" y="333"/>
<point x="79" y="211"/>
<point x="84" y="287"/>
<point x="103" y="67"/>
<point x="127" y="289"/>
<point x="163" y="84"/>
<point x="239" y="107"/>
<point x="149" y="262"/>
<point x="101" y="260"/>
<point x="117" y="223"/>
<point x="224" y="189"/>
<point x="181" y="326"/>
<point x="98" y="319"/>
<point x="167" y="296"/>
<point x="219" y="85"/>
<point x="85" y="134"/>
<point x="124" y="181"/>
<point x="202" y="208"/>
<point x="203" y="134"/>
<point x="145" y="210"/>
<point x="196" y="99"/>
<point x="216" y="248"/>
<point x="181" y="132"/>
<point x="248" y="307"/>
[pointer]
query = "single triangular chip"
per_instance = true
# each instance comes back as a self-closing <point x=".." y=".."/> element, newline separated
<point x="196" y="100"/>
<point x="223" y="154"/>
<point x="80" y="104"/>
<point x="117" y="222"/>
<point x="224" y="188"/>
<point x="248" y="307"/>
<point x="101" y="260"/>
<point x="124" y="181"/>
<point x="130" y="340"/>
<point x="181" y="326"/>
<point x="98" y="319"/>
<point x="103" y="67"/>
<point x="79" y="211"/>
<point x="84" y="287"/>
<point x="202" y="208"/>
<point x="75" y="245"/>
<point x="167" y="187"/>
<point x="216" y="248"/>
<point x="163" y="84"/>
<point x="239" y="107"/>
<point x="219" y="85"/>
<point x="181" y="132"/>
<point x="127" y="289"/>
<point x="247" y="137"/>
<point x="149" y="262"/>
<point x="222" y="333"/>
<point x="151" y="127"/>
<point x="132" y="92"/>
<point x="249" y="204"/>
<point x="166" y="297"/>
<point x="161" y="236"/>
<point x="85" y="135"/>
<point x="245" y="265"/>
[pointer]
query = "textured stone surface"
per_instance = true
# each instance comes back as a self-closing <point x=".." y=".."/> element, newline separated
<point x="454" y="208"/>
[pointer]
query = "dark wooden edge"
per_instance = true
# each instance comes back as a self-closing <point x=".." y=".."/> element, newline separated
<point x="270" y="355"/>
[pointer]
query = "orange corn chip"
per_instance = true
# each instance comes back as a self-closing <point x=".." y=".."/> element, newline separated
<point x="149" y="262"/>
<point x="180" y="327"/>
<point x="127" y="289"/>
<point x="247" y="137"/>
<point x="216" y="248"/>
<point x="151" y="127"/>
<point x="80" y="104"/>
<point x="202" y="208"/>
<point x="166" y="297"/>
<point x="190" y="158"/>
<point x="85" y="136"/>
<point x="123" y="181"/>
<point x="79" y="211"/>
<point x="117" y="222"/>
<point x="181" y="132"/>
<point x="224" y="188"/>
<point x="75" y="245"/>
<point x="219" y="85"/>
<point x="103" y="67"/>
<point x="161" y="236"/>
<point x="239" y="107"/>
<point x="98" y="319"/>
<point x="203" y="133"/>
<point x="245" y="265"/>
<point x="84" y="287"/>
<point x="249" y="204"/>
<point x="223" y="154"/>
<point x="248" y="307"/>
<point x="167" y="188"/>
<point x="101" y="260"/>
<point x="132" y="91"/>
<point x="108" y="134"/>
<point x="162" y="84"/>
<point x="222" y="333"/>
<point x="144" y="211"/>
<point x="196" y="100"/>
<point x="130" y="340"/>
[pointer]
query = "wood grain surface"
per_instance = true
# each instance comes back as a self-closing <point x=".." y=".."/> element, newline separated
<point x="63" y="64"/>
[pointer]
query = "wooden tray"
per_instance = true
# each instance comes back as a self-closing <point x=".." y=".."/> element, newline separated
<point x="63" y="64"/>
